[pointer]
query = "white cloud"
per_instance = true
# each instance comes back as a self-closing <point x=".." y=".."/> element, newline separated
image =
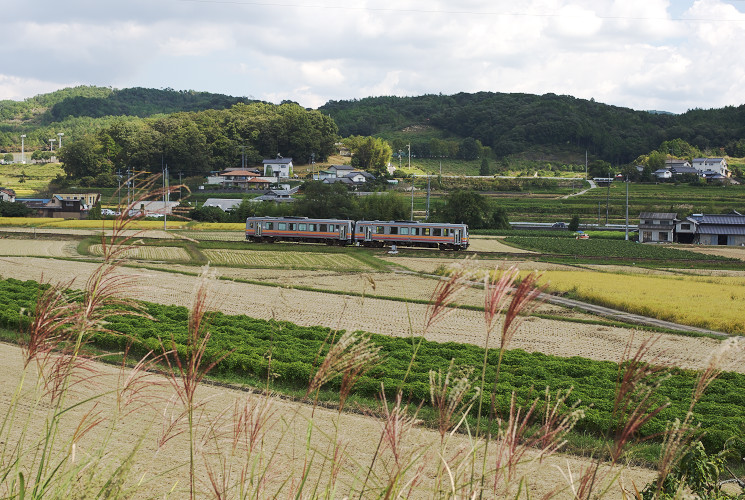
<point x="635" y="53"/>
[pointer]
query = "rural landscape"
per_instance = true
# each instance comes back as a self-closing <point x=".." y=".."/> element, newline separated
<point x="151" y="351"/>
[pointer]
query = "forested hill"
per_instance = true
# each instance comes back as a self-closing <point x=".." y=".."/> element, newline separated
<point x="514" y="123"/>
<point x="96" y="102"/>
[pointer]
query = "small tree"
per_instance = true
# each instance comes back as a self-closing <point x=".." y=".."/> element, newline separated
<point x="574" y="223"/>
<point x="95" y="212"/>
<point x="484" y="169"/>
<point x="8" y="158"/>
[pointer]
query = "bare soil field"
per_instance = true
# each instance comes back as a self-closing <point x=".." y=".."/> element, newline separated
<point x="722" y="251"/>
<point x="282" y="447"/>
<point x="492" y="244"/>
<point x="378" y="316"/>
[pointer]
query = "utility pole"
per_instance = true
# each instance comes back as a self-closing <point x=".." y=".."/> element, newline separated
<point x="165" y="197"/>
<point x="119" y="191"/>
<point x="427" y="214"/>
<point x="607" y="199"/>
<point x="409" y="146"/>
<point x="412" y="196"/>
<point x="179" y="186"/>
<point x="585" y="164"/>
<point x="627" y="208"/>
<point x="23" y="156"/>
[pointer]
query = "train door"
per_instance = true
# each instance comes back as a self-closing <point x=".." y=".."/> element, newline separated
<point x="458" y="237"/>
<point x="368" y="232"/>
<point x="258" y="228"/>
<point x="342" y="232"/>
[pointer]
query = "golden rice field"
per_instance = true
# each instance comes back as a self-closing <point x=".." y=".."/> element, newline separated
<point x="238" y="227"/>
<point x="291" y="260"/>
<point x="712" y="302"/>
<point x="48" y="222"/>
<point x="149" y="253"/>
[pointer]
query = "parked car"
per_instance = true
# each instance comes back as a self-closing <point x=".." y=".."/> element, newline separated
<point x="559" y="225"/>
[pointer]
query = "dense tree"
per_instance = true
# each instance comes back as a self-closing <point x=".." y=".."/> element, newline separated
<point x="326" y="201"/>
<point x="14" y="209"/>
<point x="484" y="168"/>
<point x="84" y="157"/>
<point x="464" y="206"/>
<point x="369" y="153"/>
<point x="388" y="206"/>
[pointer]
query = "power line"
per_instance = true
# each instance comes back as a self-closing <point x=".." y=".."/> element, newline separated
<point x="462" y="12"/>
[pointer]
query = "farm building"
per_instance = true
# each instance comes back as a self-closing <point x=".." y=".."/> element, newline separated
<point x="7" y="194"/>
<point x="656" y="227"/>
<point x="87" y="200"/>
<point x="727" y="229"/>
<point x="225" y="204"/>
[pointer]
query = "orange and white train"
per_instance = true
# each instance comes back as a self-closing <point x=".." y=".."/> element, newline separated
<point x="363" y="233"/>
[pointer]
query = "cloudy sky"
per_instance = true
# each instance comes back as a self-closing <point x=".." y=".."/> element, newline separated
<point x="668" y="55"/>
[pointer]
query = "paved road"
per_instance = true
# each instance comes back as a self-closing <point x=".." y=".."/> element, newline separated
<point x="592" y="186"/>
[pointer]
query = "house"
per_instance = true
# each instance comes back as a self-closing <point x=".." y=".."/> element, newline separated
<point x="718" y="165"/>
<point x="685" y="230"/>
<point x="223" y="203"/>
<point x="237" y="178"/>
<point x="278" y="167"/>
<point x="655" y="227"/>
<point x="675" y="163"/>
<point x="277" y="196"/>
<point x="663" y="173"/>
<point x="156" y="208"/>
<point x="87" y="200"/>
<point x="61" y="208"/>
<point x="355" y="178"/>
<point x="340" y="170"/>
<point x="7" y="194"/>
<point x="727" y="229"/>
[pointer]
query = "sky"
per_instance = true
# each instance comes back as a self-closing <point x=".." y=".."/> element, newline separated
<point x="668" y="55"/>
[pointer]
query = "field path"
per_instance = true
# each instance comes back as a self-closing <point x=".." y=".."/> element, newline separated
<point x="386" y="317"/>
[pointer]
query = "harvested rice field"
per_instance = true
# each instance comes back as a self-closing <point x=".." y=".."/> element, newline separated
<point x="285" y="259"/>
<point x="148" y="253"/>
<point x="39" y="248"/>
<point x="722" y="251"/>
<point x="213" y="235"/>
<point x="377" y="315"/>
<point x="430" y="265"/>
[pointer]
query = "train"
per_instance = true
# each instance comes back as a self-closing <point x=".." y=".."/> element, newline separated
<point x="368" y="233"/>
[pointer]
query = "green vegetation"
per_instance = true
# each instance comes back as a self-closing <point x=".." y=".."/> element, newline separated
<point x="294" y="352"/>
<point x="507" y="124"/>
<point x="605" y="248"/>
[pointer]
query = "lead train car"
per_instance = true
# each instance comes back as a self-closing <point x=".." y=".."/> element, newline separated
<point x="366" y="233"/>
<point x="271" y="229"/>
<point x="412" y="234"/>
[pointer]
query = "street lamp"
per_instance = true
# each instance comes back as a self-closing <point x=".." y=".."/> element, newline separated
<point x="51" y="144"/>
<point x="60" y="134"/>
<point x="23" y="157"/>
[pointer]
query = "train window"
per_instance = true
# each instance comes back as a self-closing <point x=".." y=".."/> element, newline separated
<point x="415" y="231"/>
<point x="452" y="232"/>
<point x="379" y="230"/>
<point x="323" y="227"/>
<point x="311" y="227"/>
<point x="437" y="232"/>
<point x="425" y="231"/>
<point x="302" y="227"/>
<point x="282" y="226"/>
<point x="394" y="230"/>
<point x="405" y="230"/>
<point x="251" y="225"/>
<point x="292" y="226"/>
<point x="268" y="225"/>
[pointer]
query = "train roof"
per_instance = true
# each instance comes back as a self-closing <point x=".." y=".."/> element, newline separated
<point x="294" y="218"/>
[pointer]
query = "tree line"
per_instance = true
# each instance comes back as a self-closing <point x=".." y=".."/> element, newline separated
<point x="198" y="143"/>
<point x="335" y="201"/>
<point x="512" y="123"/>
